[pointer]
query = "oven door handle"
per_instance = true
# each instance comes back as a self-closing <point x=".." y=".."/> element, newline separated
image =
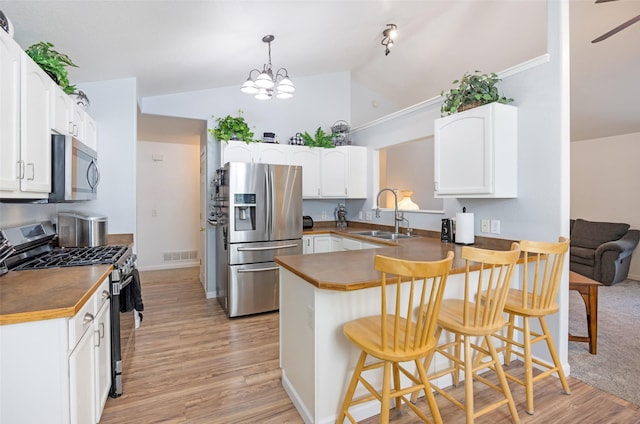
<point x="117" y="287"/>
<point x="271" y="268"/>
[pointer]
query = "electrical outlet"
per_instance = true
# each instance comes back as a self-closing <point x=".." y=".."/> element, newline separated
<point x="495" y="226"/>
<point x="368" y="215"/>
<point x="484" y="225"/>
<point x="324" y="214"/>
<point x="154" y="212"/>
<point x="310" y="317"/>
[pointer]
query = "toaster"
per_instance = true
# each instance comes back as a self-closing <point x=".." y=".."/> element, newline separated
<point x="75" y="230"/>
<point x="307" y="222"/>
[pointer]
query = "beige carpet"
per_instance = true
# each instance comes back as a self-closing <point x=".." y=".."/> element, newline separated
<point x="616" y="366"/>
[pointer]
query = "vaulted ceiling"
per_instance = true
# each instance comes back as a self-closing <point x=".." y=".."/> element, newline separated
<point x="176" y="46"/>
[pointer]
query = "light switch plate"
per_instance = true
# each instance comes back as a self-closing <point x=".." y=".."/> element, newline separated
<point x="484" y="225"/>
<point x="495" y="226"/>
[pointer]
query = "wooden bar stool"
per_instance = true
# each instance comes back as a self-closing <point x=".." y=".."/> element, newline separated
<point x="471" y="321"/>
<point x="392" y="339"/>
<point x="537" y="299"/>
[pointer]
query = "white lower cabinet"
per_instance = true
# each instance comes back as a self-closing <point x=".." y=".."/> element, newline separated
<point x="57" y="371"/>
<point x="82" y="381"/>
<point x="332" y="243"/>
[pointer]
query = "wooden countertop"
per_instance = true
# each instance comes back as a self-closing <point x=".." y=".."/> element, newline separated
<point x="35" y="295"/>
<point x="353" y="269"/>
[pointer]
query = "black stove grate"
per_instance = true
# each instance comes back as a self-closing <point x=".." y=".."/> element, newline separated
<point x="75" y="256"/>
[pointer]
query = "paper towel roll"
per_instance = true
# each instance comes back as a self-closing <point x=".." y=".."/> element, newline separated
<point x="465" y="228"/>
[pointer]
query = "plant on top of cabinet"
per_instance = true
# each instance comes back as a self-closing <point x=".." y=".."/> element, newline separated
<point x="473" y="90"/>
<point x="232" y="128"/>
<point x="53" y="63"/>
<point x="321" y="139"/>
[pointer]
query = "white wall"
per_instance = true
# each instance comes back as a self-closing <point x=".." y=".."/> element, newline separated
<point x="168" y="204"/>
<point x="604" y="183"/>
<point x="113" y="106"/>
<point x="319" y="101"/>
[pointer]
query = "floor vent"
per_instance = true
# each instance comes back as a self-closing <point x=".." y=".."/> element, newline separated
<point x="184" y="255"/>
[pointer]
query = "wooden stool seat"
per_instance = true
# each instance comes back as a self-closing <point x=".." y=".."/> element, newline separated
<point x="543" y="263"/>
<point x="469" y="321"/>
<point x="391" y="339"/>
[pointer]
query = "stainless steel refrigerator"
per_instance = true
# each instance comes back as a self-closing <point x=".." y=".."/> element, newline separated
<point x="257" y="211"/>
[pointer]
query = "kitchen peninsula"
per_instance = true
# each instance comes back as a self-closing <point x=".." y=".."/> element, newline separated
<point x="319" y="293"/>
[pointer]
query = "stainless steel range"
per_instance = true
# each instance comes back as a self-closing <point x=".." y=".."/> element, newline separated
<point x="32" y="246"/>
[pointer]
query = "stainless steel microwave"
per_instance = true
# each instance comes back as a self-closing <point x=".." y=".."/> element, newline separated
<point x="74" y="170"/>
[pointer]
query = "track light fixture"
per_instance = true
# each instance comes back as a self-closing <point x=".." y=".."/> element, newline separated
<point x="388" y="37"/>
<point x="262" y="86"/>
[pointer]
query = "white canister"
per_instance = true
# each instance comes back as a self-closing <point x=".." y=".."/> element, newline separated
<point x="465" y="233"/>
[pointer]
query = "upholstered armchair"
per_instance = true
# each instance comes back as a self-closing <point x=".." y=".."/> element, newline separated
<point x="602" y="250"/>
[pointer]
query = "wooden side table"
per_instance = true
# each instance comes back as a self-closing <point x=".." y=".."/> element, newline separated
<point x="588" y="289"/>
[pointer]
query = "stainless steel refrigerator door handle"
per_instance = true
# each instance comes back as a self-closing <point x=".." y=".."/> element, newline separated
<point x="269" y="197"/>
<point x="249" y="249"/>
<point x="271" y="268"/>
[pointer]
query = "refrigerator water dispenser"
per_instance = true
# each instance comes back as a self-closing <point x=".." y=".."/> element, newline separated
<point x="244" y="212"/>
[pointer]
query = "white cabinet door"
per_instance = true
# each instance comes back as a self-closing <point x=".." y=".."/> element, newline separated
<point x="309" y="158"/>
<point x="351" y="244"/>
<point x="271" y="153"/>
<point x="61" y="111"/>
<point x="82" y="381"/>
<point x="476" y="153"/>
<point x="334" y="172"/>
<point x="35" y="129"/>
<point x="9" y="113"/>
<point x="326" y="243"/>
<point x="356" y="172"/>
<point x="307" y="244"/>
<point x="90" y="132"/>
<point x="236" y="151"/>
<point x="102" y="352"/>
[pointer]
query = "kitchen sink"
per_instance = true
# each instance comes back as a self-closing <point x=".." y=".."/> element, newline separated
<point x="383" y="234"/>
<point x="372" y="233"/>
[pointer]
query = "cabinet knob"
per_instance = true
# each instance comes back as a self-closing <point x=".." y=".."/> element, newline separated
<point x="87" y="318"/>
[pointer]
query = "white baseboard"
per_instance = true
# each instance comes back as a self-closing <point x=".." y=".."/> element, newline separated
<point x="186" y="264"/>
<point x="635" y="277"/>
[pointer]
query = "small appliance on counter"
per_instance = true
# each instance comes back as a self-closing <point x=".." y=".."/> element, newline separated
<point x="447" y="234"/>
<point x="341" y="216"/>
<point x="76" y="230"/>
<point x="307" y="222"/>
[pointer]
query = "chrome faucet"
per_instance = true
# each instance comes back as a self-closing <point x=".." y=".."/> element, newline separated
<point x="398" y="216"/>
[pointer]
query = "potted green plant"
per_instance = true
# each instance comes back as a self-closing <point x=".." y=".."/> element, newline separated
<point x="232" y="128"/>
<point x="53" y="63"/>
<point x="473" y="90"/>
<point x="320" y="139"/>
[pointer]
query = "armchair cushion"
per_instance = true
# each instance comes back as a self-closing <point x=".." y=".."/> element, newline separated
<point x="592" y="234"/>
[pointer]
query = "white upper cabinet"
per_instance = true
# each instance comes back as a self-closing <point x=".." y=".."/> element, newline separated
<point x="476" y="153"/>
<point x="35" y="129"/>
<point x="9" y="114"/>
<point x="309" y="159"/>
<point x="337" y="173"/>
<point x="61" y="111"/>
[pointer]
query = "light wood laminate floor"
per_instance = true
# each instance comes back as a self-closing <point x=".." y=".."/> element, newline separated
<point x="193" y="365"/>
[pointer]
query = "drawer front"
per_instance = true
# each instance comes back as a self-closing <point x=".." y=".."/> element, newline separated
<point x="102" y="295"/>
<point x="81" y="322"/>
<point x="246" y="253"/>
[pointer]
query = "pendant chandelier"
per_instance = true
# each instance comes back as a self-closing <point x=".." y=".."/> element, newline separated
<point x="264" y="85"/>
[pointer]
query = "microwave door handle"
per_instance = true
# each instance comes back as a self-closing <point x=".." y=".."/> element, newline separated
<point x="93" y="182"/>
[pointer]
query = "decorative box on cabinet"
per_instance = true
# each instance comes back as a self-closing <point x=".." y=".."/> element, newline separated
<point x="476" y="153"/>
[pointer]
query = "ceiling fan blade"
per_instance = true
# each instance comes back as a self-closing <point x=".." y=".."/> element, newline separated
<point x="604" y="1"/>
<point x="617" y="29"/>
